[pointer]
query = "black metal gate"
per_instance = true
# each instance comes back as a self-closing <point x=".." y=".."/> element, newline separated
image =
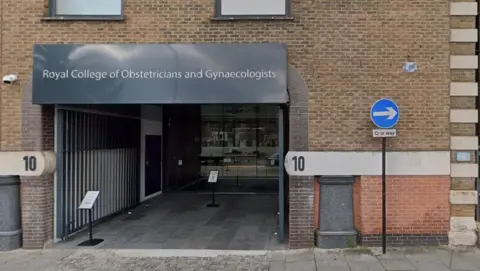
<point x="95" y="152"/>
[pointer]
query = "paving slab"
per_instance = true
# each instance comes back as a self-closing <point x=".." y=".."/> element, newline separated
<point x="463" y="263"/>
<point x="363" y="262"/>
<point x="395" y="262"/>
<point x="330" y="260"/>
<point x="303" y="255"/>
<point x="427" y="262"/>
<point x="300" y="266"/>
<point x="277" y="256"/>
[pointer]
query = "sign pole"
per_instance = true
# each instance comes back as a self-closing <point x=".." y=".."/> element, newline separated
<point x="384" y="197"/>
<point x="87" y="204"/>
<point x="212" y="178"/>
<point x="384" y="114"/>
<point x="90" y="225"/>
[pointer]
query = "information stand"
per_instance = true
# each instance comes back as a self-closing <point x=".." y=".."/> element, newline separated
<point x="87" y="204"/>
<point x="212" y="179"/>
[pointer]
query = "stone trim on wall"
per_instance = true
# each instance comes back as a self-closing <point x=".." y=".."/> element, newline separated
<point x="301" y="188"/>
<point x="463" y="95"/>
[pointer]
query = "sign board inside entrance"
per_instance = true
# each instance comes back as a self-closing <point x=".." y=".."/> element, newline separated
<point x="212" y="178"/>
<point x="384" y="132"/>
<point x="89" y="200"/>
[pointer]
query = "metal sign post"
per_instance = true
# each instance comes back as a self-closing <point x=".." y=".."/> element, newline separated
<point x="212" y="178"/>
<point x="384" y="114"/>
<point x="87" y="204"/>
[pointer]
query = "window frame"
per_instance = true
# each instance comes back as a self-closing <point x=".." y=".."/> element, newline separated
<point x="52" y="13"/>
<point x="218" y="13"/>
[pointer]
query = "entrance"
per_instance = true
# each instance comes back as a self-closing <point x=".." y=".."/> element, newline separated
<point x="241" y="142"/>
<point x="175" y="153"/>
<point x="222" y="109"/>
<point x="153" y="164"/>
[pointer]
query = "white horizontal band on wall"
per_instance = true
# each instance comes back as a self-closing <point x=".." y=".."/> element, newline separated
<point x="463" y="8"/>
<point x="464" y="143"/>
<point x="463" y="35"/>
<point x="464" y="62"/>
<point x="369" y="163"/>
<point x="464" y="170"/>
<point x="463" y="197"/>
<point x="27" y="163"/>
<point x="463" y="116"/>
<point x="463" y="89"/>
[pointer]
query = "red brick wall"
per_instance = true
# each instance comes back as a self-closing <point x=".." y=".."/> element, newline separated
<point x="418" y="209"/>
<point x="415" y="204"/>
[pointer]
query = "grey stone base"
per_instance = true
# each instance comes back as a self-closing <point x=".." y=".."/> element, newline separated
<point x="329" y="240"/>
<point x="10" y="240"/>
<point x="405" y="239"/>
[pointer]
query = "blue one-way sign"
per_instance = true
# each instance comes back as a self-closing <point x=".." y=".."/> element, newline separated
<point x="384" y="113"/>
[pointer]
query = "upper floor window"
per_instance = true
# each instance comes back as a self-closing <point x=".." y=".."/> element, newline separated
<point x="252" y="8"/>
<point x="86" y="8"/>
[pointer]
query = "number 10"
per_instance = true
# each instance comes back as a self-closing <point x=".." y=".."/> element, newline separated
<point x="298" y="163"/>
<point x="30" y="163"/>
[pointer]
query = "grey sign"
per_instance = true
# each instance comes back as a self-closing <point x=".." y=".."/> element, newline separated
<point x="159" y="73"/>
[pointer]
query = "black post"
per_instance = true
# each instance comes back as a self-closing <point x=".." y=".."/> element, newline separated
<point x="90" y="242"/>
<point x="90" y="227"/>
<point x="213" y="204"/>
<point x="237" y="179"/>
<point x="384" y="197"/>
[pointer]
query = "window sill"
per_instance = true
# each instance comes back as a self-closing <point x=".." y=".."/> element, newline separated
<point x="253" y="18"/>
<point x="84" y="18"/>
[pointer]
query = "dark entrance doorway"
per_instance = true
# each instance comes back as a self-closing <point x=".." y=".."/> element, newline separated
<point x="153" y="164"/>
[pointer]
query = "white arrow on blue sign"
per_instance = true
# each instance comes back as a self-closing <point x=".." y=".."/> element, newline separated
<point x="384" y="113"/>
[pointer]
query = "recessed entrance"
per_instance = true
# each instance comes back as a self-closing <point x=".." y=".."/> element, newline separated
<point x="152" y="175"/>
<point x="102" y="128"/>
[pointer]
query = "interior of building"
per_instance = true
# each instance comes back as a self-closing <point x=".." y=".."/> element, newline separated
<point x="151" y="164"/>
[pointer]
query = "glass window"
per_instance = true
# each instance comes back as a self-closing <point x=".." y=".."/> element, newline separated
<point x="240" y="140"/>
<point x="232" y="8"/>
<point x="88" y="7"/>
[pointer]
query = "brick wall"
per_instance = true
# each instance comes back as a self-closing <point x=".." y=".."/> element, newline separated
<point x="37" y="193"/>
<point x="349" y="53"/>
<point x="417" y="209"/>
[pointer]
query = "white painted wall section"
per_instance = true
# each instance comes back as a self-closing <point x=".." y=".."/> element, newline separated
<point x="463" y="35"/>
<point x="464" y="143"/>
<point x="370" y="163"/>
<point x="463" y="89"/>
<point x="463" y="116"/>
<point x="463" y="197"/>
<point x="463" y="8"/>
<point x="464" y="170"/>
<point x="464" y="62"/>
<point x="253" y="7"/>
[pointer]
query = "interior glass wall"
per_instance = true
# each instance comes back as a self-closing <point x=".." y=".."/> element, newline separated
<point x="240" y="140"/>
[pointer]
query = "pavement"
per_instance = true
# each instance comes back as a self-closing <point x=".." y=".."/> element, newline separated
<point x="363" y="259"/>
